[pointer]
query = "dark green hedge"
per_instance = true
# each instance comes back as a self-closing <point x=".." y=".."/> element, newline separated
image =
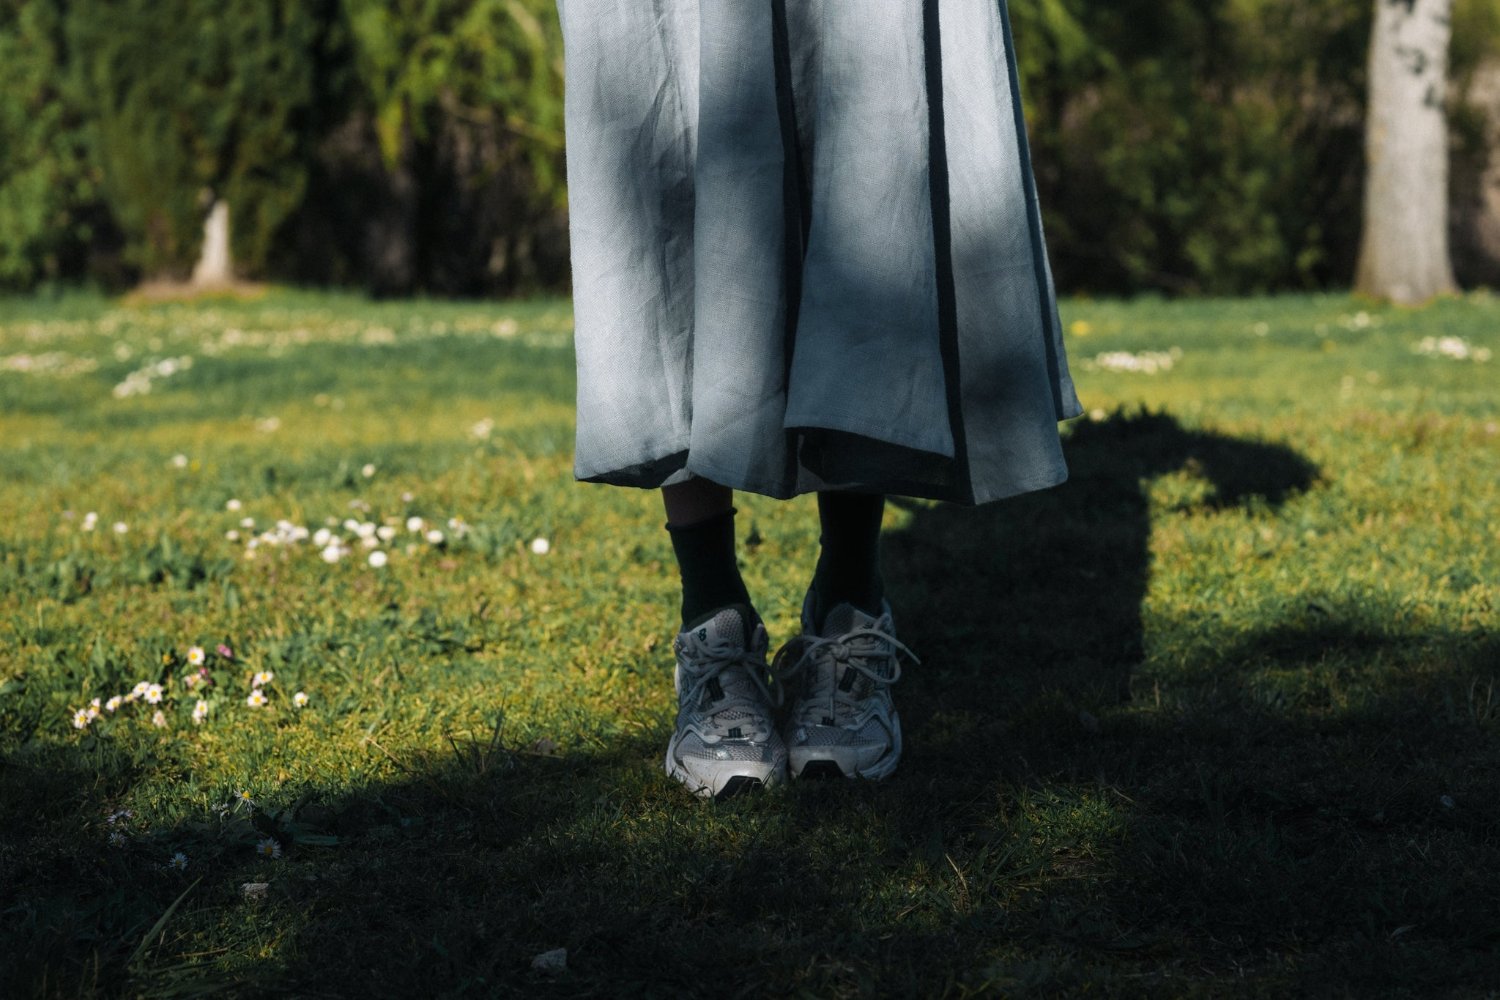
<point x="1186" y="146"/>
<point x="407" y="145"/>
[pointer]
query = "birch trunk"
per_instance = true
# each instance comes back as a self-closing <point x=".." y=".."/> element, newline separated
<point x="1404" y="253"/>
<point x="214" y="265"/>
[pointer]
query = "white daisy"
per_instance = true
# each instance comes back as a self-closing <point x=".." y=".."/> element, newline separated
<point x="368" y="470"/>
<point x="414" y="524"/>
<point x="434" y="537"/>
<point x="152" y="694"/>
<point x="232" y="504"/>
<point x="269" y="848"/>
<point x="299" y="699"/>
<point x="159" y="720"/>
<point x="113" y="703"/>
<point x="262" y="678"/>
<point x="378" y="559"/>
<point x="257" y="698"/>
<point x="81" y="719"/>
<point x="195" y="655"/>
<point x="179" y="862"/>
<point x="121" y="527"/>
<point x="385" y="532"/>
<point x="200" y="711"/>
<point x="541" y="546"/>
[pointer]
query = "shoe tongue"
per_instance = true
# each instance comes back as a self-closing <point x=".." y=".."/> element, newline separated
<point x="731" y="624"/>
<point x="845" y="618"/>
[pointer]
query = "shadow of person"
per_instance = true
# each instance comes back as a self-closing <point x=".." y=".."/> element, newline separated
<point x="1040" y="597"/>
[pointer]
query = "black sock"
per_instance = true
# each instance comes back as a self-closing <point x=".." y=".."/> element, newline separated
<point x="849" y="563"/>
<point x="710" y="576"/>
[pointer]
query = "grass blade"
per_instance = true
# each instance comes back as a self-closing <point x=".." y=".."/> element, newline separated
<point x="161" y="923"/>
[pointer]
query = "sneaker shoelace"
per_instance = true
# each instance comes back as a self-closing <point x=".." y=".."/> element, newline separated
<point x="738" y="701"/>
<point x="859" y="650"/>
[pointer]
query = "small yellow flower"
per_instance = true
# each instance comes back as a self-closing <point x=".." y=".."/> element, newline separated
<point x="1081" y="328"/>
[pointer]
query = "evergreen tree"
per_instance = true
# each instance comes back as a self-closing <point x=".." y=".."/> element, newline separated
<point x="51" y="210"/>
<point x="193" y="102"/>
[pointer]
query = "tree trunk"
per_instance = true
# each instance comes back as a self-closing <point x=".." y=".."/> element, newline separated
<point x="1403" y="254"/>
<point x="214" y="265"/>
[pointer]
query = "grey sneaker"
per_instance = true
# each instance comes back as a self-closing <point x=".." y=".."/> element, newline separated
<point x="842" y="721"/>
<point x="725" y="741"/>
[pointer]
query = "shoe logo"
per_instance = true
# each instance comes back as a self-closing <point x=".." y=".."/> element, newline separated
<point x="703" y="635"/>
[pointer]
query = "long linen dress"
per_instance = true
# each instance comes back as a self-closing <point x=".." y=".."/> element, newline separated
<point x="807" y="253"/>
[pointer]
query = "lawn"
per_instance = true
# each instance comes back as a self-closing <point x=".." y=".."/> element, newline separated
<point x="1218" y="716"/>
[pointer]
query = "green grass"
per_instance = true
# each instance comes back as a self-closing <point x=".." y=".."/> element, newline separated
<point x="1216" y="717"/>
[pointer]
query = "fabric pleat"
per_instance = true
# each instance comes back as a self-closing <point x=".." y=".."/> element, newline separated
<point x="807" y="253"/>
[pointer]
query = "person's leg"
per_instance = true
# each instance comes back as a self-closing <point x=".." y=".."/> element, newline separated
<point x="848" y="569"/>
<point x="842" y="721"/>
<point x="700" y="520"/>
<point x="725" y="740"/>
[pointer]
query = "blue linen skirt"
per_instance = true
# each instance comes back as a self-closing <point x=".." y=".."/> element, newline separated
<point x="806" y="249"/>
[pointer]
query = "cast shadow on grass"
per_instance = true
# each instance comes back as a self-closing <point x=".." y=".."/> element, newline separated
<point x="1053" y="582"/>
